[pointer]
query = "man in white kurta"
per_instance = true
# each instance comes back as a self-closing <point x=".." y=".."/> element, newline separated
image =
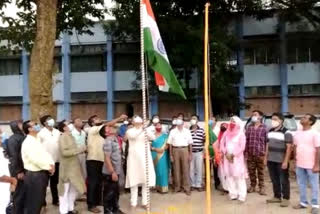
<point x="136" y="163"/>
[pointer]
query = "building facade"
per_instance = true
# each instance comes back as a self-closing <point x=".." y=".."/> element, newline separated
<point x="280" y="65"/>
<point x="94" y="75"/>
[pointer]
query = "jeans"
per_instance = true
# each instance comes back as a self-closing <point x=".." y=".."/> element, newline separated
<point x="303" y="177"/>
<point x="110" y="195"/>
<point x="280" y="180"/>
<point x="196" y="167"/>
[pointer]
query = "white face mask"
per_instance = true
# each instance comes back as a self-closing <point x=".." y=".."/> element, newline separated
<point x="179" y="122"/>
<point x="71" y="127"/>
<point x="193" y="122"/>
<point x="174" y="122"/>
<point x="126" y="122"/>
<point x="275" y="123"/>
<point x="155" y="120"/>
<point x="50" y="123"/>
<point x="254" y="119"/>
<point x="138" y="120"/>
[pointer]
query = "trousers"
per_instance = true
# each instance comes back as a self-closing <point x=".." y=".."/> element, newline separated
<point x="68" y="198"/>
<point x="94" y="191"/>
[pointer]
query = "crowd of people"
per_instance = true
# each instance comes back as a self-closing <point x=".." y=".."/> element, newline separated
<point x="94" y="162"/>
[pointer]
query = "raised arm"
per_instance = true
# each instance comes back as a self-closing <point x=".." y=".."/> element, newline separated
<point x="115" y="121"/>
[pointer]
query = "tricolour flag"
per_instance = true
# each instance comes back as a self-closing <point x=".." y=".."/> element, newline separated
<point x="156" y="53"/>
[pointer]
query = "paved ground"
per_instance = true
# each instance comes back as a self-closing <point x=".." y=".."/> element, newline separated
<point x="195" y="204"/>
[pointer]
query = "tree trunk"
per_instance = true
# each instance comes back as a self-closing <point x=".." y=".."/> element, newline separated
<point x="41" y="64"/>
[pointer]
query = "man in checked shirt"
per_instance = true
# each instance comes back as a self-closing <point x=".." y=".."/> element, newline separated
<point x="256" y="138"/>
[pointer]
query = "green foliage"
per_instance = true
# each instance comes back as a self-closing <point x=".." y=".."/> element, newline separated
<point x="71" y="14"/>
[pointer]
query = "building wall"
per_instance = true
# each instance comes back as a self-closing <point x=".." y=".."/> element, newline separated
<point x="10" y="112"/>
<point x="303" y="105"/>
<point x="266" y="105"/>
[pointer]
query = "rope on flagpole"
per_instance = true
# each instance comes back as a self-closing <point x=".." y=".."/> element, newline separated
<point x="144" y="105"/>
<point x="206" y="109"/>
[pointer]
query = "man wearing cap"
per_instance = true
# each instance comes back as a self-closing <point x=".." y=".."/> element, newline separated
<point x="136" y="162"/>
<point x="180" y="141"/>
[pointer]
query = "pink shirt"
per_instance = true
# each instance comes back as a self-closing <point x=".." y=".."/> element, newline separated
<point x="306" y="143"/>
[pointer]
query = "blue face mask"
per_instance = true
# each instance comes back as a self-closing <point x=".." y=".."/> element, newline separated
<point x="37" y="128"/>
<point x="210" y="122"/>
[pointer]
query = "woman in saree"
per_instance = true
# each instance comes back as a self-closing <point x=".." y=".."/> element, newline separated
<point x="161" y="159"/>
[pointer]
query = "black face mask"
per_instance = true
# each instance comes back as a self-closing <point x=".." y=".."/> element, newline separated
<point x="223" y="129"/>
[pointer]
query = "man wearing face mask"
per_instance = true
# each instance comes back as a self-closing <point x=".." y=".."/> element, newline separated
<point x="277" y="158"/>
<point x="196" y="165"/>
<point x="38" y="165"/>
<point x="49" y="137"/>
<point x="180" y="141"/>
<point x="256" y="139"/>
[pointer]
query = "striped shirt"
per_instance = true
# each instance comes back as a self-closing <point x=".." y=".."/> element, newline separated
<point x="198" y="138"/>
<point x="277" y="144"/>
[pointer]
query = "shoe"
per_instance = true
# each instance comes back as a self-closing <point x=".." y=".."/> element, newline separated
<point x="55" y="204"/>
<point x="120" y="212"/>
<point x="201" y="189"/>
<point x="314" y="210"/>
<point x="251" y="190"/>
<point x="285" y="203"/>
<point x="299" y="207"/>
<point x="145" y="207"/>
<point x="73" y="212"/>
<point x="188" y="193"/>
<point x="94" y="210"/>
<point x="273" y="200"/>
<point x="262" y="191"/>
<point x="177" y="190"/>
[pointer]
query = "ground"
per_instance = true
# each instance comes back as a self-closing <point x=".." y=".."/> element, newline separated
<point x="195" y="204"/>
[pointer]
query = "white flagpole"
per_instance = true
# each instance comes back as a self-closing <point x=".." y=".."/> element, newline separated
<point x="144" y="104"/>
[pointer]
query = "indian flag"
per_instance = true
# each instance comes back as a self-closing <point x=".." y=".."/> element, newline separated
<point x="156" y="53"/>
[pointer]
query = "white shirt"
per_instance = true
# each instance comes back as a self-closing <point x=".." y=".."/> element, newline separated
<point x="80" y="137"/>
<point x="34" y="156"/>
<point x="49" y="140"/>
<point x="179" y="138"/>
<point x="4" y="187"/>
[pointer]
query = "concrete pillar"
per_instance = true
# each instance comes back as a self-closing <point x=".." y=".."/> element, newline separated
<point x="110" y="79"/>
<point x="25" y="85"/>
<point x="64" y="108"/>
<point x="240" y="63"/>
<point x="283" y="66"/>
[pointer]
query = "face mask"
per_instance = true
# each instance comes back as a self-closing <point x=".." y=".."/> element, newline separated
<point x="126" y="122"/>
<point x="223" y="129"/>
<point x="193" y="122"/>
<point x="254" y="119"/>
<point x="155" y="120"/>
<point x="174" y="122"/>
<point x="159" y="129"/>
<point x="37" y="128"/>
<point x="71" y="127"/>
<point x="50" y="122"/>
<point x="275" y="123"/>
<point x="211" y="122"/>
<point x="138" y="120"/>
<point x="232" y="126"/>
<point x="179" y="122"/>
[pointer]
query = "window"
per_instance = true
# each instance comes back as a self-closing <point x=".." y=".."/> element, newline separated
<point x="249" y="56"/>
<point x="300" y="90"/>
<point x="89" y="96"/>
<point x="126" y="62"/>
<point x="303" y="54"/>
<point x="273" y="55"/>
<point x="263" y="91"/>
<point x="261" y="55"/>
<point x="9" y="66"/>
<point x="88" y="63"/>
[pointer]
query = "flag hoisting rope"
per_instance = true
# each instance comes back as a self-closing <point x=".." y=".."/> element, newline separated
<point x="144" y="105"/>
<point x="206" y="108"/>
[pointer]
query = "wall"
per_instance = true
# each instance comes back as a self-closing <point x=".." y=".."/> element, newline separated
<point x="261" y="75"/>
<point x="266" y="105"/>
<point x="303" y="105"/>
<point x="303" y="73"/>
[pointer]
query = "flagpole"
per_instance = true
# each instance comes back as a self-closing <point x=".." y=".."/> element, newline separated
<point x="206" y="109"/>
<point x="144" y="105"/>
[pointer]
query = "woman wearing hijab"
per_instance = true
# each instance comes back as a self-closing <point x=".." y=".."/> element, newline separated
<point x="233" y="144"/>
<point x="218" y="157"/>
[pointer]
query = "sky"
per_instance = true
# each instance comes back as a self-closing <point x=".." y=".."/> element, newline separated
<point x="11" y="10"/>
